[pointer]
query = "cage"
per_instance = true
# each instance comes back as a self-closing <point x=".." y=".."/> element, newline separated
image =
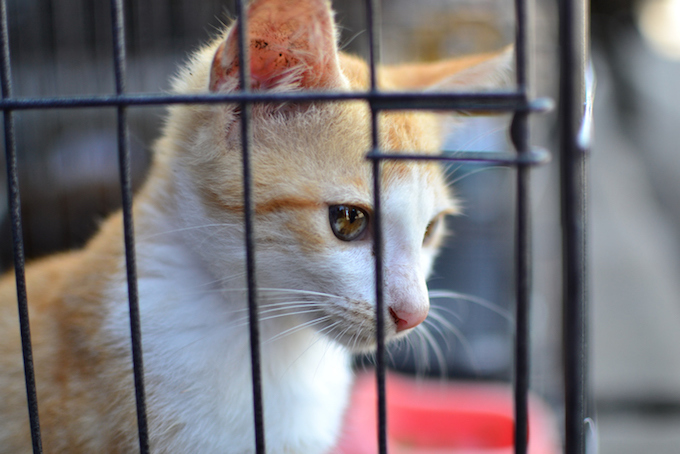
<point x="36" y="79"/>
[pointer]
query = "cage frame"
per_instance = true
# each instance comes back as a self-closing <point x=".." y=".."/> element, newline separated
<point x="574" y="121"/>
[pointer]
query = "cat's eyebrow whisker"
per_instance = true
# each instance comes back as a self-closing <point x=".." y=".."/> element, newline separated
<point x="434" y="294"/>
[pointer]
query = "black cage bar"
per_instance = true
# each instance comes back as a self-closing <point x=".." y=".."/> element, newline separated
<point x="118" y="27"/>
<point x="573" y="47"/>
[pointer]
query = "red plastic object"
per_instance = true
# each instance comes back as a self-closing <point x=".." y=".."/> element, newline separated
<point x="439" y="417"/>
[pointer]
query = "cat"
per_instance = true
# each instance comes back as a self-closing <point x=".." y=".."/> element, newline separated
<point x="314" y="254"/>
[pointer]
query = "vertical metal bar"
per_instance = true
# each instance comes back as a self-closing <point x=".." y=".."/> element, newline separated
<point x="17" y="234"/>
<point x="520" y="137"/>
<point x="572" y="43"/>
<point x="246" y="135"/>
<point x="373" y="21"/>
<point x="118" y="26"/>
<point x="523" y="291"/>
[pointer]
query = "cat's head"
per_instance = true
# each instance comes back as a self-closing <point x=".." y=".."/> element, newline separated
<point x="312" y="184"/>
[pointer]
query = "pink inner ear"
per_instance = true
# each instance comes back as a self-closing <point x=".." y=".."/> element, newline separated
<point x="291" y="44"/>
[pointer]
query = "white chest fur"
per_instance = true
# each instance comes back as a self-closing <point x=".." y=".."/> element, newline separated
<point x="198" y="368"/>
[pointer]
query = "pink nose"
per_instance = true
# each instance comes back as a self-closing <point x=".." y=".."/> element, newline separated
<point x="407" y="320"/>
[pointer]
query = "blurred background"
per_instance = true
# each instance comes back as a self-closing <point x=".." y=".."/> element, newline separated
<point x="69" y="181"/>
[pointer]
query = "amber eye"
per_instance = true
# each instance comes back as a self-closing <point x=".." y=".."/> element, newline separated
<point x="348" y="222"/>
<point x="431" y="228"/>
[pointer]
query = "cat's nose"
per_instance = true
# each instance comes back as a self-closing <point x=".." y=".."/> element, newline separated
<point x="407" y="320"/>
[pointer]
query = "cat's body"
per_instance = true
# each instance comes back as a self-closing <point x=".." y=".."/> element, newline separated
<point x="307" y="160"/>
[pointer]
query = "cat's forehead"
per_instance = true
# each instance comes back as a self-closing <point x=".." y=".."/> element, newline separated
<point x="326" y="147"/>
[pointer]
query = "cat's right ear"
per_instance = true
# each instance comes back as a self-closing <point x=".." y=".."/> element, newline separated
<point x="292" y="46"/>
<point x="477" y="72"/>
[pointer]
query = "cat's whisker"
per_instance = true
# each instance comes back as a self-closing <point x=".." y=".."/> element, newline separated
<point x="435" y="294"/>
<point x="442" y="321"/>
<point x="318" y="337"/>
<point x="474" y="172"/>
<point x="350" y="39"/>
<point x="298" y="328"/>
<point x="210" y="237"/>
<point x="183" y="229"/>
<point x="439" y="355"/>
<point x="222" y="280"/>
<point x="444" y="324"/>
<point x="354" y="339"/>
<point x="439" y="308"/>
<point x="287" y="304"/>
<point x="301" y="292"/>
<point x="419" y="354"/>
<point x="452" y="168"/>
<point x="340" y="336"/>
<point x="487" y="132"/>
<point x="261" y="318"/>
<point x="408" y="344"/>
<point x="309" y="310"/>
<point x="464" y="343"/>
<point x="390" y="356"/>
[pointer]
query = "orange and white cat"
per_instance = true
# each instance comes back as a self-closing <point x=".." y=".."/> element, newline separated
<point x="314" y="243"/>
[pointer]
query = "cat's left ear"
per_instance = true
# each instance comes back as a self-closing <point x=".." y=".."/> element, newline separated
<point x="479" y="72"/>
<point x="292" y="46"/>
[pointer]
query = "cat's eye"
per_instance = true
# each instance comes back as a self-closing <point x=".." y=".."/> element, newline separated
<point x="430" y="229"/>
<point x="348" y="222"/>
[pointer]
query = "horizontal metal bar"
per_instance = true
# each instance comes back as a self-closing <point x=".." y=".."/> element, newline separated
<point x="492" y="102"/>
<point x="537" y="156"/>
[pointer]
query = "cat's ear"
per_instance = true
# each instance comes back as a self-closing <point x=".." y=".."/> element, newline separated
<point x="477" y="72"/>
<point x="292" y="46"/>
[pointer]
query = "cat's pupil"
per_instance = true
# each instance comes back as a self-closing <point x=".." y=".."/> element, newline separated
<point x="429" y="230"/>
<point x="348" y="222"/>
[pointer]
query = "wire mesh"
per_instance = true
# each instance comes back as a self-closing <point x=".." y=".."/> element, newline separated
<point x="516" y="101"/>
